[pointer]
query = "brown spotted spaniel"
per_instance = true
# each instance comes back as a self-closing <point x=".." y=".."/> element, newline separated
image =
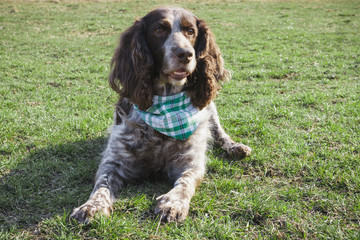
<point x="167" y="70"/>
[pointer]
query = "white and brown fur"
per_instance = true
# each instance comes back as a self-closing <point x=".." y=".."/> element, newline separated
<point x="166" y="52"/>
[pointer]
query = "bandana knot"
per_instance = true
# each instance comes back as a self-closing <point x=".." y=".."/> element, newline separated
<point x="173" y="115"/>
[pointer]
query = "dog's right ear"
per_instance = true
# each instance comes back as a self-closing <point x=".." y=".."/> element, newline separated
<point x="132" y="67"/>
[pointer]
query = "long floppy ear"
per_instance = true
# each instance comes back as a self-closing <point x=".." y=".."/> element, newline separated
<point x="209" y="69"/>
<point x="131" y="64"/>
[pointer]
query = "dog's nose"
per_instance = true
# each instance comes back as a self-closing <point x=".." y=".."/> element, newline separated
<point x="184" y="55"/>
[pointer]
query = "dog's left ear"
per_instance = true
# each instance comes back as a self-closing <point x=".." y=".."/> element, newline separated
<point x="209" y="69"/>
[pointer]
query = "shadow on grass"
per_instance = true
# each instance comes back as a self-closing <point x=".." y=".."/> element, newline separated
<point x="47" y="182"/>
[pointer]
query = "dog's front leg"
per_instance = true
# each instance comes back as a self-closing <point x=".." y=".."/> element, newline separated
<point x="174" y="205"/>
<point x="110" y="178"/>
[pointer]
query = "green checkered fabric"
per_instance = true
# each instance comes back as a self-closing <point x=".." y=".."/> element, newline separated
<point x="173" y="116"/>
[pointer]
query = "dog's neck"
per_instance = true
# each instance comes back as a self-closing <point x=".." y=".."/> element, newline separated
<point x="173" y="115"/>
<point x="164" y="87"/>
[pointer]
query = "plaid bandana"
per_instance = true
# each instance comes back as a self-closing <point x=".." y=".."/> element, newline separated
<point x="173" y="116"/>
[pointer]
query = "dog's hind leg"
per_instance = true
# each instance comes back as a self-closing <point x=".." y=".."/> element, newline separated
<point x="222" y="139"/>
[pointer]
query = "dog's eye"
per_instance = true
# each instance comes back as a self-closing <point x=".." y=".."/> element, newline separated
<point x="190" y="31"/>
<point x="159" y="30"/>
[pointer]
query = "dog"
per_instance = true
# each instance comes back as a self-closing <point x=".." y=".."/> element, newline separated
<point x="167" y="71"/>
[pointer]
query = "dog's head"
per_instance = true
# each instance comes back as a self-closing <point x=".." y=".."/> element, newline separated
<point x="169" y="48"/>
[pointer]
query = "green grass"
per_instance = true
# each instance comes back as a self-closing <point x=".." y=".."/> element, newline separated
<point x="294" y="98"/>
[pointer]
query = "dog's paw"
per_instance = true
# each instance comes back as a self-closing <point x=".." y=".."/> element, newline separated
<point x="171" y="208"/>
<point x="86" y="212"/>
<point x="239" y="150"/>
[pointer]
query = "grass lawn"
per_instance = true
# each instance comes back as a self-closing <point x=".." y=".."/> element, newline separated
<point x="294" y="99"/>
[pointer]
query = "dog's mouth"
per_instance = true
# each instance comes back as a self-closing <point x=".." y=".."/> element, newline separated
<point x="179" y="74"/>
